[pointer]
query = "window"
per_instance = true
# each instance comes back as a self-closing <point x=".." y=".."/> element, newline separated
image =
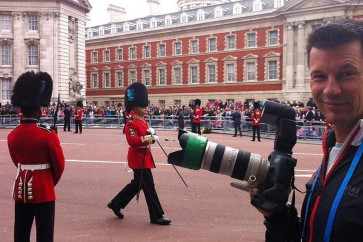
<point x="119" y="54"/>
<point x="211" y="73"/>
<point x="162" y="50"/>
<point x="231" y="42"/>
<point x="94" y="80"/>
<point x="33" y="22"/>
<point x="147" y="77"/>
<point x="278" y="3"/>
<point x="120" y="78"/>
<point x="194" y="46"/>
<point x="230" y="72"/>
<point x="193" y="74"/>
<point x="272" y="37"/>
<point x="184" y="18"/>
<point x="106" y="79"/>
<point x="132" y="77"/>
<point x="200" y="14"/>
<point x="162" y="103"/>
<point x="153" y="23"/>
<point x="161" y="76"/>
<point x="147" y="51"/>
<point x="177" y="103"/>
<point x="177" y="75"/>
<point x="33" y="55"/>
<point x="94" y="57"/>
<point x="139" y="25"/>
<point x="212" y="44"/>
<point x="168" y="20"/>
<point x="5" y="22"/>
<point x="257" y="5"/>
<point x="251" y="40"/>
<point x="218" y="12"/>
<point x="251" y="71"/>
<point x="106" y="57"/>
<point x="132" y="53"/>
<point x="126" y="27"/>
<point x="6" y="55"/>
<point x="6" y="89"/>
<point x="237" y="9"/>
<point x="272" y="70"/>
<point x="177" y="48"/>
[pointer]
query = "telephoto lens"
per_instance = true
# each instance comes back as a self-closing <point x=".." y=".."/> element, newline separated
<point x="198" y="153"/>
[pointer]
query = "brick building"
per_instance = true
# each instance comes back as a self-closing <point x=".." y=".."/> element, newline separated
<point x="234" y="50"/>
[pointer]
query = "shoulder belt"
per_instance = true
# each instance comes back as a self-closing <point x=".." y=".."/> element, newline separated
<point x="45" y="127"/>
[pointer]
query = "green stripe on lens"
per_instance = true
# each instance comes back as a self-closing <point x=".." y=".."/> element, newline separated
<point x="194" y="151"/>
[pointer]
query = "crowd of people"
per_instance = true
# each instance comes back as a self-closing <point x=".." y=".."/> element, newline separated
<point x="217" y="111"/>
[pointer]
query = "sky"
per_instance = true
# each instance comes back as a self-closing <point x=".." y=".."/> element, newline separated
<point x="134" y="9"/>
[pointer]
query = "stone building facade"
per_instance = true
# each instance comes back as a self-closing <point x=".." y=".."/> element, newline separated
<point x="237" y="50"/>
<point x="44" y="36"/>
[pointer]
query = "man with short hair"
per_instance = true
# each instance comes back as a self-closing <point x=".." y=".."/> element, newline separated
<point x="333" y="206"/>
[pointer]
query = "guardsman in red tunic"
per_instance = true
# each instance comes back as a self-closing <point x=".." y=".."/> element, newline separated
<point x="197" y="115"/>
<point x="139" y="137"/>
<point x="38" y="156"/>
<point x="256" y="121"/>
<point x="78" y="117"/>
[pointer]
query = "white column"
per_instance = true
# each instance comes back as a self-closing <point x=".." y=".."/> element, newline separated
<point x="290" y="55"/>
<point x="300" y="55"/>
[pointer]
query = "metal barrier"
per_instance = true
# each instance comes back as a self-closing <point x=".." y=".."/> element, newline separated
<point x="312" y="131"/>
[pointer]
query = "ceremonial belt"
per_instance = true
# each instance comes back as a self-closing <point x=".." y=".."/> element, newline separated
<point x="143" y="147"/>
<point x="34" y="167"/>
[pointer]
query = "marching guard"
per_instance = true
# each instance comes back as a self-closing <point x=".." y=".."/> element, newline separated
<point x="38" y="156"/>
<point x="139" y="137"/>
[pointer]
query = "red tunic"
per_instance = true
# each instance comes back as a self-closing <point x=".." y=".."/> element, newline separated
<point x="197" y="114"/>
<point x="79" y="114"/>
<point x="30" y="144"/>
<point x="256" y="118"/>
<point x="139" y="155"/>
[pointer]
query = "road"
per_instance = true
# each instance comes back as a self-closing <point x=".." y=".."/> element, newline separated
<point x="95" y="171"/>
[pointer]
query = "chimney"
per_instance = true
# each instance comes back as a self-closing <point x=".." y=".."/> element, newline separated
<point x="153" y="6"/>
<point x="116" y="13"/>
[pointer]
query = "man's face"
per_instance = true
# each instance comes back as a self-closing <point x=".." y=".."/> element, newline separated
<point x="336" y="81"/>
<point x="141" y="111"/>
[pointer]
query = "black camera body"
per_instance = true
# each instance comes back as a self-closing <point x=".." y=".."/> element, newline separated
<point x="277" y="183"/>
<point x="275" y="174"/>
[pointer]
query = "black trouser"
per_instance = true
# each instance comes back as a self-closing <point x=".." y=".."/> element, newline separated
<point x="44" y="221"/>
<point x="256" y="128"/>
<point x="196" y="128"/>
<point x="237" y="126"/>
<point x="67" y="124"/>
<point x="78" y="124"/>
<point x="148" y="187"/>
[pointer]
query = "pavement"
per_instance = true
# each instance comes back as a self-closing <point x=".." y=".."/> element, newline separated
<point x="208" y="210"/>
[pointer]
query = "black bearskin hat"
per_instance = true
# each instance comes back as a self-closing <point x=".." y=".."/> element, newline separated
<point x="197" y="102"/>
<point x="79" y="104"/>
<point x="136" y="96"/>
<point x="32" y="91"/>
<point x="256" y="105"/>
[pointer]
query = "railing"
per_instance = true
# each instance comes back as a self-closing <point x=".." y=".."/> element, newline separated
<point x="313" y="131"/>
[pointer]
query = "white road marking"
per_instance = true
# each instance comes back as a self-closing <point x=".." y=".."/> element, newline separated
<point x="109" y="162"/>
<point x="319" y="154"/>
<point x="72" y="144"/>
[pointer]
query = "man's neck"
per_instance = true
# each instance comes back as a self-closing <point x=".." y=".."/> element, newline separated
<point x="341" y="133"/>
<point x="139" y="116"/>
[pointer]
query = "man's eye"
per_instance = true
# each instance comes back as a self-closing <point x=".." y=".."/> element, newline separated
<point x="317" y="77"/>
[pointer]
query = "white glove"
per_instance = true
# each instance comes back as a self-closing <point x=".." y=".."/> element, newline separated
<point x="151" y="131"/>
<point x="155" y="138"/>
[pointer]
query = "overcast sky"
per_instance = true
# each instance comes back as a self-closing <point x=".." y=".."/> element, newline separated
<point x="134" y="9"/>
